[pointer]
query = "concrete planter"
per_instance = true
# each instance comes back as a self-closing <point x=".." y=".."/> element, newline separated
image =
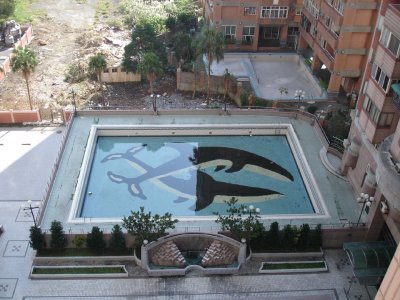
<point x="267" y="255"/>
<point x="300" y="270"/>
<point x="41" y="259"/>
<point x="65" y="276"/>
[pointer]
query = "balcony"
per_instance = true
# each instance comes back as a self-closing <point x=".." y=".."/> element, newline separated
<point x="331" y="12"/>
<point x="324" y="56"/>
<point x="307" y="36"/>
<point x="388" y="174"/>
<point x="327" y="35"/>
<point x="309" y="16"/>
<point x="387" y="61"/>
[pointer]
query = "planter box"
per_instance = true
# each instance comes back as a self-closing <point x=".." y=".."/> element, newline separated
<point x="100" y="275"/>
<point x="41" y="259"/>
<point x="319" y="254"/>
<point x="300" y="270"/>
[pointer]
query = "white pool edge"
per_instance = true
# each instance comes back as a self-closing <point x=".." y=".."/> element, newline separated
<point x="313" y="191"/>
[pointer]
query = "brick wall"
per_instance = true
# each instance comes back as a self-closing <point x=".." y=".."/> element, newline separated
<point x="18" y="117"/>
<point x="390" y="287"/>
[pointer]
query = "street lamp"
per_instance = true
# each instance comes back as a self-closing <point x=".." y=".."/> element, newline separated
<point x="73" y="99"/>
<point x="366" y="200"/>
<point x="31" y="208"/>
<point x="299" y="95"/>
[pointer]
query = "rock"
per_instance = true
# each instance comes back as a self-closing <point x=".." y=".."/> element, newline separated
<point x="42" y="43"/>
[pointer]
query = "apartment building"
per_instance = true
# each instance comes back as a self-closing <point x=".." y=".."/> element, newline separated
<point x="372" y="157"/>
<point x="255" y="25"/>
<point x="339" y="34"/>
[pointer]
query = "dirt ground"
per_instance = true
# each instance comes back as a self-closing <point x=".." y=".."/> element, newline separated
<point x="55" y="43"/>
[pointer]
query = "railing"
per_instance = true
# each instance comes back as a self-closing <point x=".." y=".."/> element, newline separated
<point x="336" y="143"/>
<point x="53" y="172"/>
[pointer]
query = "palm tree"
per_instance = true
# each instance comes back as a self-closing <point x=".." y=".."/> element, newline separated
<point x="211" y="44"/>
<point x="24" y="60"/>
<point x="97" y="63"/>
<point x="151" y="67"/>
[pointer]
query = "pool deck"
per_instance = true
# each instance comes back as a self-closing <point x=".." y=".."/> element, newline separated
<point x="27" y="169"/>
<point x="335" y="192"/>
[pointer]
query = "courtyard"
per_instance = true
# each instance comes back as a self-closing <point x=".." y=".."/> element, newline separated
<point x="16" y="256"/>
<point x="268" y="73"/>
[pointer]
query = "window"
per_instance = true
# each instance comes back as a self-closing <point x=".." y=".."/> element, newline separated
<point x="114" y="70"/>
<point x="229" y="33"/>
<point x="271" y="33"/>
<point x="248" y="34"/>
<point x="390" y="41"/>
<point x="298" y="11"/>
<point x="293" y="31"/>
<point x="312" y="8"/>
<point x="380" y="77"/>
<point x="250" y="11"/>
<point x="381" y="119"/>
<point x="385" y="119"/>
<point x="274" y="12"/>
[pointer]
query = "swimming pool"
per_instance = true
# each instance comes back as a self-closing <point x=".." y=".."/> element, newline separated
<point x="190" y="171"/>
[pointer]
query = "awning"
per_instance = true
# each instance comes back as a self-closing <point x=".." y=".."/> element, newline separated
<point x="396" y="88"/>
<point x="369" y="260"/>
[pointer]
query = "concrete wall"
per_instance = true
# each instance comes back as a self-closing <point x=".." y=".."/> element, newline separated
<point x="335" y="237"/>
<point x="18" y="117"/>
<point x="117" y="74"/>
<point x="390" y="287"/>
<point x="187" y="81"/>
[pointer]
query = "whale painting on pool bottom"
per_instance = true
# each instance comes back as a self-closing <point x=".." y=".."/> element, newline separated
<point x="193" y="176"/>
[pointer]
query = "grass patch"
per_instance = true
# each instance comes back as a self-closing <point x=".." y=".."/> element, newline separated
<point x="81" y="252"/>
<point x="78" y="270"/>
<point x="293" y="265"/>
<point x="103" y="8"/>
<point x="23" y="12"/>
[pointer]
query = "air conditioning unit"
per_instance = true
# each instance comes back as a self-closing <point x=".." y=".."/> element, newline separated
<point x="384" y="208"/>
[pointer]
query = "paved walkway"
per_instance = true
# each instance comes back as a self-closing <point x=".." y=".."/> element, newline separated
<point x="27" y="179"/>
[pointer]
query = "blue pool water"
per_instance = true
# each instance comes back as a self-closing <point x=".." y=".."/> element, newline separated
<point x="191" y="176"/>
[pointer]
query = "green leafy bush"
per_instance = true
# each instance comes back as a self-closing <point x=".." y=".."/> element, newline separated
<point x="117" y="239"/>
<point x="58" y="239"/>
<point x="312" y="109"/>
<point x="95" y="240"/>
<point x="37" y="239"/>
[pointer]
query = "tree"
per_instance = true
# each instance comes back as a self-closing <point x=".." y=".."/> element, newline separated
<point x="337" y="124"/>
<point x="24" y="60"/>
<point x="151" y="67"/>
<point x="117" y="239"/>
<point x="143" y="40"/>
<point x="273" y="236"/>
<point x="211" y="44"/>
<point x="97" y="63"/>
<point x="95" y="240"/>
<point x="7" y="8"/>
<point x="227" y="80"/>
<point x="37" y="239"/>
<point x="182" y="43"/>
<point x="145" y="226"/>
<point x="58" y="239"/>
<point x="289" y="237"/>
<point x="303" y="241"/>
<point x="240" y="220"/>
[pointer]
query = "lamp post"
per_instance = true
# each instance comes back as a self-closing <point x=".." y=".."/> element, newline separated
<point x="31" y="208"/>
<point x="366" y="200"/>
<point x="299" y="95"/>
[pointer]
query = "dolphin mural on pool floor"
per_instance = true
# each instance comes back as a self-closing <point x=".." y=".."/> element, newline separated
<point x="192" y="158"/>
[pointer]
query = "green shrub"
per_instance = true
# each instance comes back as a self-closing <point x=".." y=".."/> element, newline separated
<point x="76" y="72"/>
<point x="316" y="237"/>
<point x="312" y="109"/>
<point x="273" y="236"/>
<point x="308" y="61"/>
<point x="244" y="99"/>
<point x="37" y="239"/>
<point x="289" y="237"/>
<point x="304" y="237"/>
<point x="78" y="241"/>
<point x="95" y="240"/>
<point x="58" y="239"/>
<point x="117" y="239"/>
